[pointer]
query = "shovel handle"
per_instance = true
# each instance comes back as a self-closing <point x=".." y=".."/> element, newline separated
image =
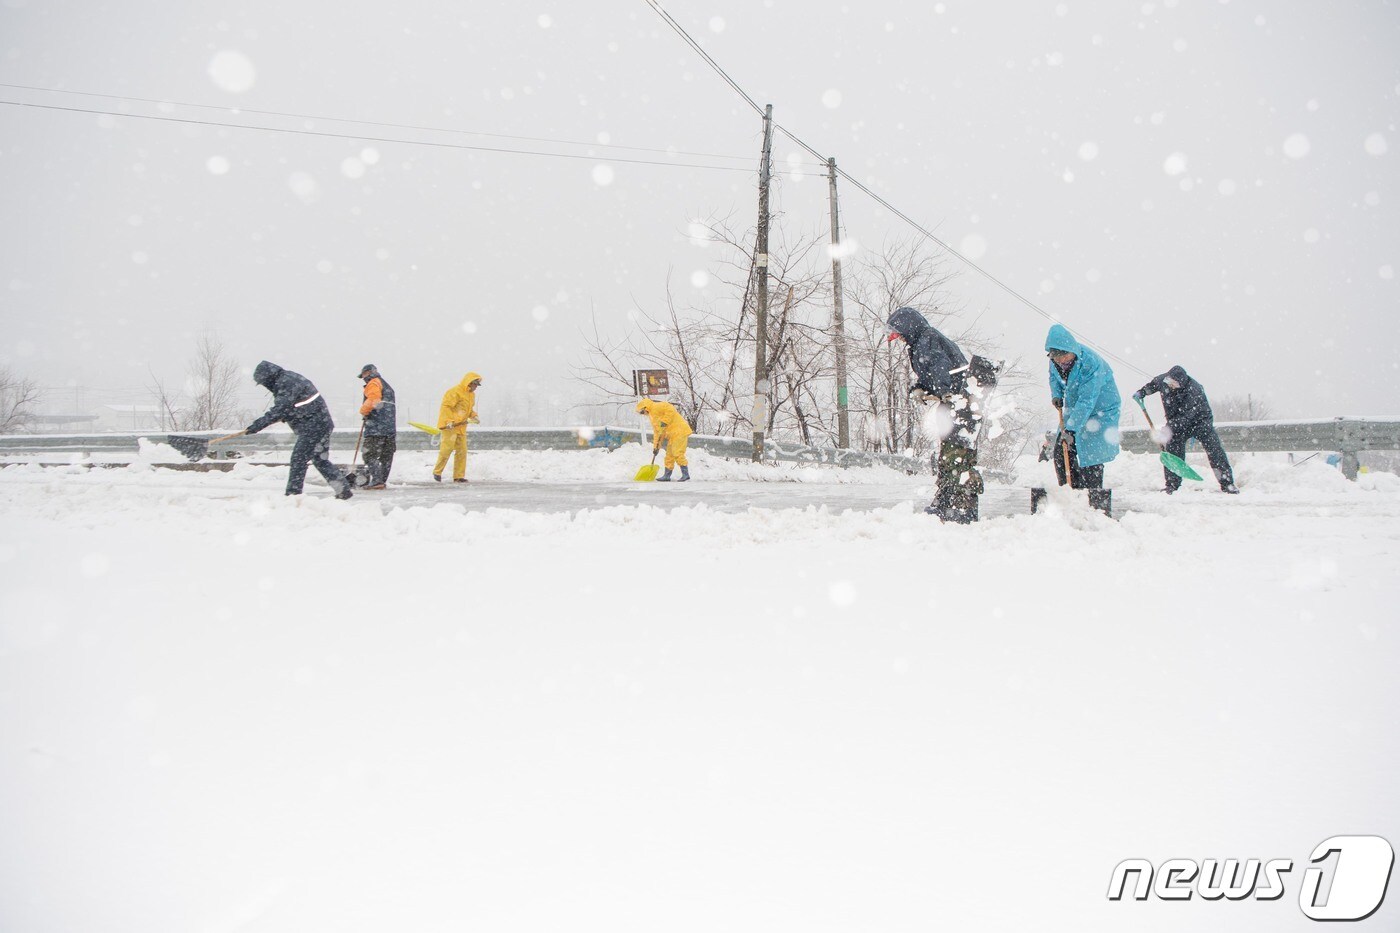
<point x="226" y="437"/>
<point x="1152" y="428"/>
<point x="356" y="455"/>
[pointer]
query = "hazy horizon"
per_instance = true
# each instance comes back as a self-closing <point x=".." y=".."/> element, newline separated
<point x="1195" y="183"/>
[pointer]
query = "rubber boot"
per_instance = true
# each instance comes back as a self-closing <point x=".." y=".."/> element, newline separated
<point x="664" y="477"/>
<point x="344" y="492"/>
<point x="685" y="474"/>
<point x="1102" y="499"/>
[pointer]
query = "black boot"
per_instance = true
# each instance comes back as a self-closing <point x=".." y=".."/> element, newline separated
<point x="664" y="477"/>
<point x="685" y="474"/>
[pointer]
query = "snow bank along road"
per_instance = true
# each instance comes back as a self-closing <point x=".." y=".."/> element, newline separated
<point x="221" y="709"/>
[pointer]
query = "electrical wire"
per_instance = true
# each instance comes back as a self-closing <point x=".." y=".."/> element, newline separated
<point x="384" y="139"/>
<point x="397" y="126"/>
<point x="879" y="200"/>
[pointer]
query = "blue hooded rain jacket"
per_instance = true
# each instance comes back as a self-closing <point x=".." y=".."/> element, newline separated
<point x="1092" y="403"/>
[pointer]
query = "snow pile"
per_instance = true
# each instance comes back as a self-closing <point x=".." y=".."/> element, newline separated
<point x="224" y="709"/>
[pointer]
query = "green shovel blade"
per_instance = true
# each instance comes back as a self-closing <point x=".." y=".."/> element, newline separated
<point x="1179" y="467"/>
<point x="648" y="473"/>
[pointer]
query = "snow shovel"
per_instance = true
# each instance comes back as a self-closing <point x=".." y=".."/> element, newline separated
<point x="197" y="448"/>
<point x="438" y="431"/>
<point x="350" y="474"/>
<point x="1170" y="461"/>
<point x="648" y="471"/>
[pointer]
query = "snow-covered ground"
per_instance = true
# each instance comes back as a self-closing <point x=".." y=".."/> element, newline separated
<point x="221" y="709"/>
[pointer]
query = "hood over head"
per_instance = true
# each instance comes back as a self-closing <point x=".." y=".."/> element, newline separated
<point x="1178" y="373"/>
<point x="368" y="371"/>
<point x="644" y="406"/>
<point x="265" y="374"/>
<point x="908" y="323"/>
<point x="1061" y="339"/>
<point x="468" y="379"/>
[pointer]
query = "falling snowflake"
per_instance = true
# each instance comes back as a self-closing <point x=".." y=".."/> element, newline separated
<point x="1296" y="146"/>
<point x="973" y="246"/>
<point x="232" y="71"/>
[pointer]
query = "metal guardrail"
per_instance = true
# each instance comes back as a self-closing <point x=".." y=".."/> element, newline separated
<point x="1347" y="436"/>
<point x="580" y="438"/>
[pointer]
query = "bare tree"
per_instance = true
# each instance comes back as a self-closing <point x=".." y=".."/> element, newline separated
<point x="17" y="399"/>
<point x="213" y="386"/>
<point x="707" y="350"/>
<point x="167" y="406"/>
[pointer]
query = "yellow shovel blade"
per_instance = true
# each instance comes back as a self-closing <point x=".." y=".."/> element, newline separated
<point x="424" y="427"/>
<point x="647" y="473"/>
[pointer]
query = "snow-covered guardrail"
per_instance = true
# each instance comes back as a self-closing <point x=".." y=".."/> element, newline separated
<point x="482" y="438"/>
<point x="1347" y="436"/>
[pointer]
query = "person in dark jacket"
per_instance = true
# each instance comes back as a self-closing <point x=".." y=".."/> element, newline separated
<point x="944" y="376"/>
<point x="297" y="402"/>
<point x="381" y="431"/>
<point x="1188" y="415"/>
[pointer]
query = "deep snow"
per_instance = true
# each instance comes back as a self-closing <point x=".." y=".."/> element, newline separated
<point x="222" y="710"/>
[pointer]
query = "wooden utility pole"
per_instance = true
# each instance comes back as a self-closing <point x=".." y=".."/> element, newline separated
<point x="838" y="317"/>
<point x="761" y="386"/>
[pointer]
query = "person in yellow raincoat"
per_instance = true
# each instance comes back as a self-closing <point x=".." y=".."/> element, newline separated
<point x="673" y="430"/>
<point x="458" y="410"/>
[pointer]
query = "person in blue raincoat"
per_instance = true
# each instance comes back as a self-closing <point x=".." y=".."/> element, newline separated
<point x="1082" y="388"/>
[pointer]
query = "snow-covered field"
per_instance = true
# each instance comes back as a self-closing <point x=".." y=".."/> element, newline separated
<point x="221" y="709"/>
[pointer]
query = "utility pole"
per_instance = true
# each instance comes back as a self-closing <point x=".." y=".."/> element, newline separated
<point x="761" y="385"/>
<point x="838" y="317"/>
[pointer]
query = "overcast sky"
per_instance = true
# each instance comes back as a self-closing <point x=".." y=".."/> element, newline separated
<point x="1198" y="182"/>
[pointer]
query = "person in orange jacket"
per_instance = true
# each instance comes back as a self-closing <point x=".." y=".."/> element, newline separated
<point x="380" y="430"/>
<point x="672" y="430"/>
<point x="458" y="410"/>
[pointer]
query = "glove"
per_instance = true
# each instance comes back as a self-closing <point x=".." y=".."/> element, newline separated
<point x="1058" y="402"/>
<point x="921" y="396"/>
<point x="656" y="450"/>
<point x="1138" y="397"/>
<point x="473" y="420"/>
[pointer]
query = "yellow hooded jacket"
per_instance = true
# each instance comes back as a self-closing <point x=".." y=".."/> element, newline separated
<point x="458" y="406"/>
<point x="665" y="420"/>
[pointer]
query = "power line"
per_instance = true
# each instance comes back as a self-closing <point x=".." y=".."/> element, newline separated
<point x="396" y="126"/>
<point x="680" y="31"/>
<point x="879" y="200"/>
<point x="382" y="139"/>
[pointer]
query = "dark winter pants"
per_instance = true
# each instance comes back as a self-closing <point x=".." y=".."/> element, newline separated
<point x="313" y="448"/>
<point x="379" y="458"/>
<point x="1079" y="477"/>
<point x="959" y="483"/>
<point x="1204" y="433"/>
